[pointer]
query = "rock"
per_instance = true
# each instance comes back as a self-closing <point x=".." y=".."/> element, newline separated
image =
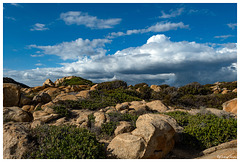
<point x="100" y="118"/>
<point x="157" y="105"/>
<point x="43" y="116"/>
<point x="24" y="100"/>
<point x="153" y="138"/>
<point x="48" y="83"/>
<point x="138" y="109"/>
<point x="83" y="94"/>
<point x="225" y="91"/>
<point x="226" y="150"/>
<point x="16" y="114"/>
<point x="124" y="111"/>
<point x="157" y="133"/>
<point x="122" y="106"/>
<point x="10" y="80"/>
<point x="28" y="108"/>
<point x="230" y="106"/>
<point x="235" y="90"/>
<point x="156" y="88"/>
<point x="94" y="87"/>
<point x="11" y="94"/>
<point x="52" y="92"/>
<point x="123" y="127"/>
<point x="64" y="97"/>
<point x="127" y="146"/>
<point x="38" y="88"/>
<point x="42" y="97"/>
<point x="60" y="121"/>
<point x="16" y="141"/>
<point x="36" y="123"/>
<point x="75" y="88"/>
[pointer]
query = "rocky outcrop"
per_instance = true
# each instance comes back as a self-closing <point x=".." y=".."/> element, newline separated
<point x="16" y="141"/>
<point x="11" y="94"/>
<point x="156" y="88"/>
<point x="42" y="97"/>
<point x="157" y="105"/>
<point x="16" y="114"/>
<point x="10" y="80"/>
<point x="123" y="127"/>
<point x="48" y="83"/>
<point x="230" y="106"/>
<point x="226" y="150"/>
<point x="152" y="139"/>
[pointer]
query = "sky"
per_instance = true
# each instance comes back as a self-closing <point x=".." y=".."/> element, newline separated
<point x="155" y="43"/>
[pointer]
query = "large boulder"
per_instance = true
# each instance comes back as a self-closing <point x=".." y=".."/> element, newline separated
<point x="230" y="106"/>
<point x="152" y="139"/>
<point x="127" y="146"/>
<point x="16" y="114"/>
<point x="42" y="97"/>
<point x="157" y="105"/>
<point x="64" y="97"/>
<point x="16" y="141"/>
<point x="123" y="127"/>
<point x="11" y="94"/>
<point x="48" y="83"/>
<point x="83" y="94"/>
<point x="156" y="88"/>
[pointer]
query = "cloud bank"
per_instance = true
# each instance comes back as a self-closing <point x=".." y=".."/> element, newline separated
<point x="158" y="61"/>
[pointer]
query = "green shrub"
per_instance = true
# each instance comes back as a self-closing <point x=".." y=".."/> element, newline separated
<point x="229" y="85"/>
<point x="76" y="81"/>
<point x="117" y="116"/>
<point x="62" y="110"/>
<point x="194" y="89"/>
<point x="112" y="85"/>
<point x="65" y="142"/>
<point x="109" y="128"/>
<point x="205" y="131"/>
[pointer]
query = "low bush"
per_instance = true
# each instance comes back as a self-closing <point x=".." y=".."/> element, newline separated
<point x="65" y="142"/>
<point x="229" y="85"/>
<point x="204" y="131"/>
<point x="62" y="110"/>
<point x="112" y="85"/>
<point x="109" y="128"/>
<point x="76" y="81"/>
<point x="117" y="116"/>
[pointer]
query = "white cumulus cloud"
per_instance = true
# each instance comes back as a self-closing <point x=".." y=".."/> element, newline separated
<point x="81" y="18"/>
<point x="75" y="49"/>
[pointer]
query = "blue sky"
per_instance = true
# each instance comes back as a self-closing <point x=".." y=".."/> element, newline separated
<point x="154" y="43"/>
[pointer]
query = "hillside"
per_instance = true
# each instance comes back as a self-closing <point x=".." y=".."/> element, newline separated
<point x="76" y="118"/>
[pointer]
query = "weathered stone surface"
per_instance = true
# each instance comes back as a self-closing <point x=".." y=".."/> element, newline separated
<point x="225" y="91"/>
<point x="157" y="105"/>
<point x="100" y="118"/>
<point x="64" y="97"/>
<point x="122" y="106"/>
<point x="24" y="100"/>
<point x="38" y="88"/>
<point x="94" y="87"/>
<point x="48" y="83"/>
<point x="16" y="141"/>
<point x="36" y="123"/>
<point x="28" y="108"/>
<point x="11" y="94"/>
<point x="127" y="146"/>
<point x="52" y="92"/>
<point x="123" y="127"/>
<point x="230" y="106"/>
<point x="226" y="150"/>
<point x="156" y="88"/>
<point x="157" y="133"/>
<point x="43" y="116"/>
<point x="16" y="114"/>
<point x="83" y="94"/>
<point x="235" y="90"/>
<point x="153" y="138"/>
<point x="42" y="97"/>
